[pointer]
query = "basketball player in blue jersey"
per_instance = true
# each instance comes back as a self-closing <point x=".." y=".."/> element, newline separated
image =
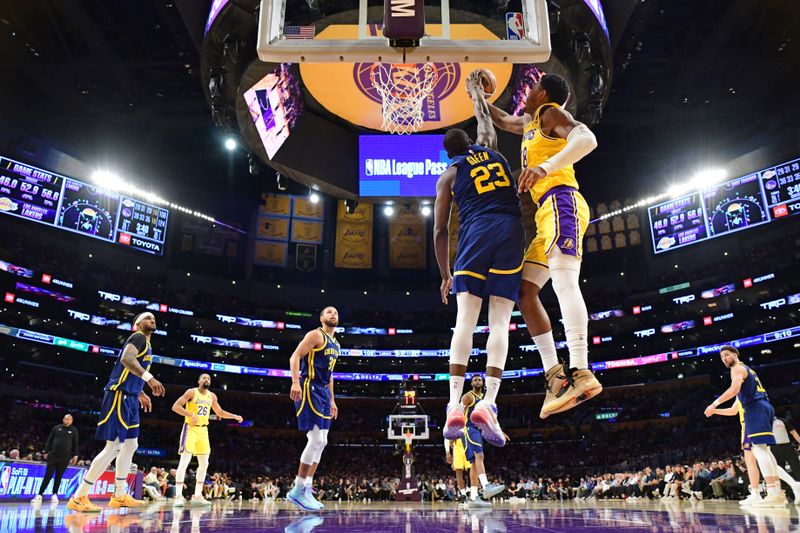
<point x="758" y="417"/>
<point x="552" y="141"/>
<point x="488" y="261"/>
<point x="119" y="416"/>
<point x="312" y="392"/>
<point x="474" y="449"/>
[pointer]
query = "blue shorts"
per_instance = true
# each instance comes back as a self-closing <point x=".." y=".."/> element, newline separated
<point x="474" y="442"/>
<point x="314" y="408"/>
<point x="119" y="416"/>
<point x="489" y="257"/>
<point x="758" y="418"/>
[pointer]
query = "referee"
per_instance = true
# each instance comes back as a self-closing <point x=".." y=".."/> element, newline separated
<point x="60" y="450"/>
<point x="784" y="453"/>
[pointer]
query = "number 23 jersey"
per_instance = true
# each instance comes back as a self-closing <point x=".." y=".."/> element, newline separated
<point x="483" y="185"/>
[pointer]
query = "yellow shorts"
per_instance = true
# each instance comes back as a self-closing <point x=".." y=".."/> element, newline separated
<point x="561" y="220"/>
<point x="460" y="457"/>
<point x="194" y="439"/>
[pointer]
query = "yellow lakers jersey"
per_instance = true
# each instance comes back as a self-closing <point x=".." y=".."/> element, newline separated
<point x="538" y="148"/>
<point x="199" y="406"/>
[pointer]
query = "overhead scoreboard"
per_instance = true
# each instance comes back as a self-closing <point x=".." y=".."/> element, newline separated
<point x="72" y="205"/>
<point x="734" y="205"/>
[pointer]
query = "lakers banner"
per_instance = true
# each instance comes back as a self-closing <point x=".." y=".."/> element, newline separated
<point x="306" y="231"/>
<point x="354" y="237"/>
<point x="272" y="228"/>
<point x="271" y="253"/>
<point x="347" y="89"/>
<point x="407" y="238"/>
<point x="302" y="207"/>
<point x="276" y="205"/>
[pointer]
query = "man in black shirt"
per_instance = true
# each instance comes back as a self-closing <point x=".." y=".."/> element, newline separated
<point x="60" y="450"/>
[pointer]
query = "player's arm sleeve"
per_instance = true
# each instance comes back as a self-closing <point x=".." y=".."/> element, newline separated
<point x="446" y="445"/>
<point x="580" y="142"/>
<point x="138" y="341"/>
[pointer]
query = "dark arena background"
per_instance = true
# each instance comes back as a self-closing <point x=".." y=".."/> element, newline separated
<point x="232" y="168"/>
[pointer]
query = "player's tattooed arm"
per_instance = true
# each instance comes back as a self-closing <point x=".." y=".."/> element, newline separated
<point x="487" y="136"/>
<point x="222" y="413"/>
<point x="313" y="339"/>
<point x="441" y="231"/>
<point x="129" y="361"/>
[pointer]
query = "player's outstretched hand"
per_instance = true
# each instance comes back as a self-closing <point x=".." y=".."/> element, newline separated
<point x="473" y="83"/>
<point x="528" y="178"/>
<point x="296" y="393"/>
<point x="447" y="284"/>
<point x="145" y="402"/>
<point x="334" y="410"/>
<point x="238" y="419"/>
<point x="156" y="387"/>
<point x="710" y="410"/>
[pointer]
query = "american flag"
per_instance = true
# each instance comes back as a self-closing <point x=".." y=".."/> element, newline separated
<point x="299" y="32"/>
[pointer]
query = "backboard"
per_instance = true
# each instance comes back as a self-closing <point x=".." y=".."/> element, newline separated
<point x="399" y="425"/>
<point x="350" y="31"/>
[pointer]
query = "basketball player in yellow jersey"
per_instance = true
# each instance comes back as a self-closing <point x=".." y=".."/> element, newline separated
<point x="552" y="141"/>
<point x="195" y="405"/>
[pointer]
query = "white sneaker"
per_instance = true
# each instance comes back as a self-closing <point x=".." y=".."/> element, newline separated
<point x="777" y="499"/>
<point x="199" y="500"/>
<point x="697" y="494"/>
<point x="753" y="498"/>
<point x="54" y="499"/>
<point x="179" y="501"/>
<point x="37" y="500"/>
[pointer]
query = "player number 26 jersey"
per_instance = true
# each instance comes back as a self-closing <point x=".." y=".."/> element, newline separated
<point x="200" y="406"/>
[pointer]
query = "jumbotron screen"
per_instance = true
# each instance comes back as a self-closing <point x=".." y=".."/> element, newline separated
<point x="734" y="205"/>
<point x="400" y="165"/>
<point x="65" y="203"/>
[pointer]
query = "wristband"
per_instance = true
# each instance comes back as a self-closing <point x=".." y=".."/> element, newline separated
<point x="715" y="403"/>
<point x="147" y="376"/>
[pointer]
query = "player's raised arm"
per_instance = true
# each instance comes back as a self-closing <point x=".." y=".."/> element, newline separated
<point x="313" y="339"/>
<point x="441" y="232"/>
<point x="487" y="136"/>
<point x="506" y="122"/>
<point x="220" y="412"/>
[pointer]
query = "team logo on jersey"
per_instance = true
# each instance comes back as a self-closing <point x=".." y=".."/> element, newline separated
<point x="447" y="78"/>
<point x="568" y="244"/>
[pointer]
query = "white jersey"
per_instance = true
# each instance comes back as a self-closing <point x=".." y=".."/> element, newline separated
<point x="779" y="430"/>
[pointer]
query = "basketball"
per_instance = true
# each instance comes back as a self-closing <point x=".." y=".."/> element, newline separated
<point x="488" y="81"/>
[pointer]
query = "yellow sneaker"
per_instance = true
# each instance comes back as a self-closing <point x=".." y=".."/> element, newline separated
<point x="125" y="501"/>
<point x="581" y="385"/>
<point x="82" y="505"/>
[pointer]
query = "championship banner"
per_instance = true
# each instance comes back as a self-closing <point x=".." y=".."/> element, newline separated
<point x="407" y="238"/>
<point x="276" y="205"/>
<point x="302" y="207"/>
<point x="305" y="259"/>
<point x="353" y="237"/>
<point x="271" y="253"/>
<point x="306" y="231"/>
<point x="275" y="228"/>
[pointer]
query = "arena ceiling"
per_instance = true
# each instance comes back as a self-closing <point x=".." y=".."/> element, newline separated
<point x="118" y="83"/>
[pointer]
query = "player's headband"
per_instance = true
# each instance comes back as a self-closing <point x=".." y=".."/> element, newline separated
<point x="142" y="317"/>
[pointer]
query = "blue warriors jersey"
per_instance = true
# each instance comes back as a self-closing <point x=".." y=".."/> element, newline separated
<point x="468" y="412"/>
<point x="318" y="365"/>
<point x="483" y="185"/>
<point x="121" y="379"/>
<point x="752" y="389"/>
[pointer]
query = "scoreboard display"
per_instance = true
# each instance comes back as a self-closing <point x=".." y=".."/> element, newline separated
<point x="66" y="203"/>
<point x="735" y="205"/>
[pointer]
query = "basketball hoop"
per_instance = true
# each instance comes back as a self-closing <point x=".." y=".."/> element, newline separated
<point x="403" y="89"/>
<point x="408" y="437"/>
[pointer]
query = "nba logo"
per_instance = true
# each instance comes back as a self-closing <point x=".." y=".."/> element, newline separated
<point x="368" y="167"/>
<point x="514" y="28"/>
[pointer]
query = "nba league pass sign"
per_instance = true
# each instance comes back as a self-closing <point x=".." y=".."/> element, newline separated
<point x="393" y="165"/>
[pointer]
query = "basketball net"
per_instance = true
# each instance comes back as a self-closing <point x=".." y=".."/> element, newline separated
<point x="403" y="89"/>
<point x="408" y="438"/>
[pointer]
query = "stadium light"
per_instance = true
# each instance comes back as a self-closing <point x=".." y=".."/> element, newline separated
<point x="313" y="197"/>
<point x="388" y="210"/>
<point x="230" y="144"/>
<point x="107" y="179"/>
<point x="426" y="210"/>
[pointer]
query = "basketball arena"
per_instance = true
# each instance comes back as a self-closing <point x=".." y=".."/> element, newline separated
<point x="399" y="265"/>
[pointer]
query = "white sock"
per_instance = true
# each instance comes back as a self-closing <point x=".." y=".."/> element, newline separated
<point x="492" y="388"/>
<point x="198" y="489"/>
<point x="463" y="491"/>
<point x="473" y="493"/>
<point x="309" y="481"/>
<point x="773" y="490"/>
<point x="179" y="489"/>
<point x="483" y="480"/>
<point x="546" y="345"/>
<point x="120" y="488"/>
<point x="299" y="481"/>
<point x="456" y="388"/>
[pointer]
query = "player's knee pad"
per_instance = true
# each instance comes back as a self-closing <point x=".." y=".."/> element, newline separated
<point x="535" y="274"/>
